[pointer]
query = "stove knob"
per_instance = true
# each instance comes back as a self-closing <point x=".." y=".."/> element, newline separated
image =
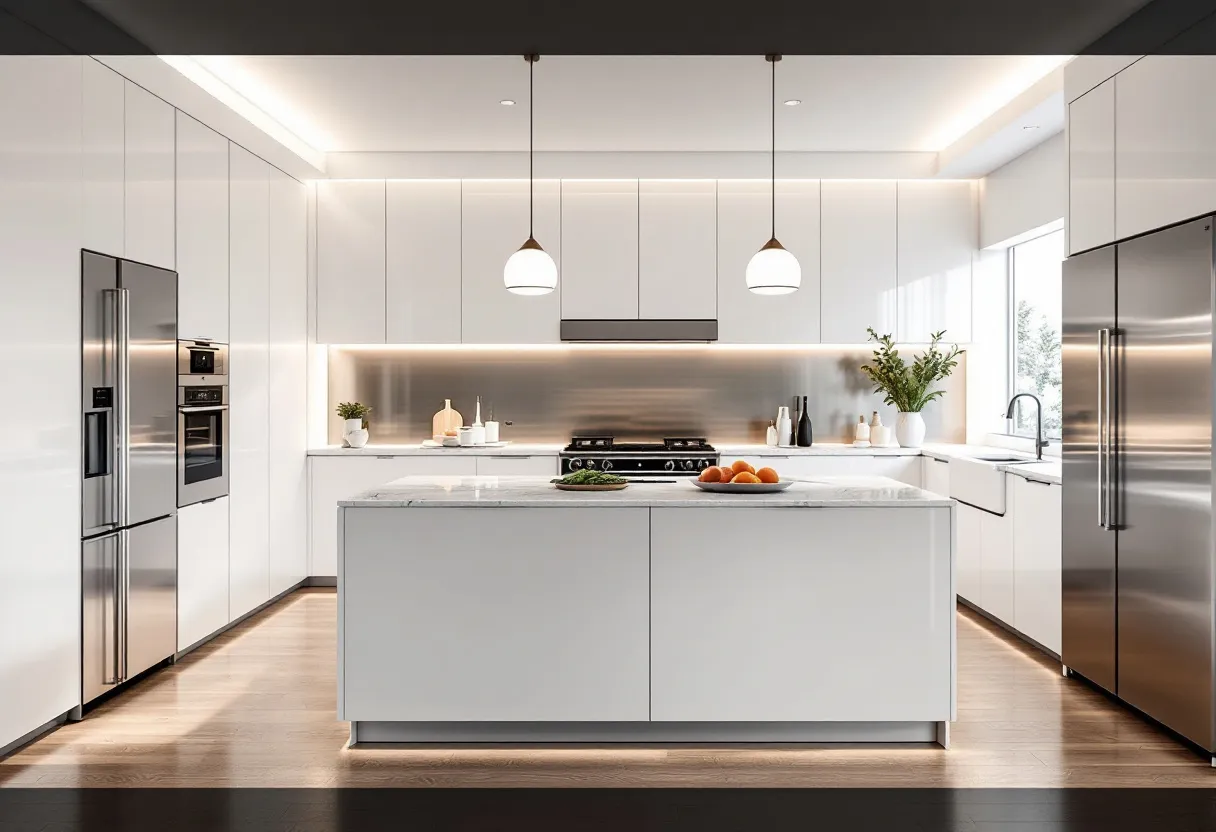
<point x="688" y="465"/>
<point x="590" y="463"/>
<point x="669" y="465"/>
<point x="702" y="464"/>
<point x="607" y="466"/>
<point x="576" y="463"/>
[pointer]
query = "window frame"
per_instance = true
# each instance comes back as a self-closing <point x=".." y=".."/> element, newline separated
<point x="1011" y="333"/>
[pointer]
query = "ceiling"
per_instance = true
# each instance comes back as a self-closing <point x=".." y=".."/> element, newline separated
<point x="635" y="103"/>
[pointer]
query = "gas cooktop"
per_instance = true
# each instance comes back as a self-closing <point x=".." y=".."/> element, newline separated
<point x="674" y="455"/>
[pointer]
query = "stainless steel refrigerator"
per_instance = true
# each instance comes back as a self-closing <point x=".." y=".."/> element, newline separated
<point x="1138" y="584"/>
<point x="129" y="470"/>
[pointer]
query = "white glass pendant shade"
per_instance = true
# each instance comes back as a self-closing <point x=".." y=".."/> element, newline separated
<point x="530" y="271"/>
<point x="773" y="270"/>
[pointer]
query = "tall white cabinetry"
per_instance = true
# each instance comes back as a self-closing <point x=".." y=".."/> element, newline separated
<point x="599" y="249"/>
<point x="858" y="259"/>
<point x="40" y="239"/>
<point x="202" y="231"/>
<point x="677" y="249"/>
<point x="1091" y="168"/>
<point x="494" y="223"/>
<point x="350" y="261"/>
<point x="103" y="164"/>
<point x="744" y="225"/>
<point x="936" y="237"/>
<point x="288" y="383"/>
<point x="149" y="226"/>
<point x="248" y="382"/>
<point x="1037" y="516"/>
<point x="422" y="262"/>
<point x="202" y="570"/>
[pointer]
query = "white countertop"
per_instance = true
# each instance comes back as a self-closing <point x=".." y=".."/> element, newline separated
<point x="511" y="449"/>
<point x="818" y="449"/>
<point x="825" y="492"/>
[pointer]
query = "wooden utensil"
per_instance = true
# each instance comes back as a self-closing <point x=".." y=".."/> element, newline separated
<point x="446" y="419"/>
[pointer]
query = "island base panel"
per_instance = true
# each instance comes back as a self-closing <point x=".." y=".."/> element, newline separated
<point x="527" y="733"/>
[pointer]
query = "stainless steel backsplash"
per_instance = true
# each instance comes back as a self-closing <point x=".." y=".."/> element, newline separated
<point x="726" y="394"/>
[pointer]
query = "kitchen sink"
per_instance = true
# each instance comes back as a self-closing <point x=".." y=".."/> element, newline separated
<point x="1002" y="459"/>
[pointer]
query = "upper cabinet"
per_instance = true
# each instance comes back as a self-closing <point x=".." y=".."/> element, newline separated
<point x="103" y="131"/>
<point x="351" y="262"/>
<point x="148" y="216"/>
<point x="858" y="259"/>
<point x="1091" y="168"/>
<point x="202" y="231"/>
<point x="677" y="249"/>
<point x="494" y="224"/>
<point x="599" y="249"/>
<point x="1165" y="142"/>
<point x="936" y="237"/>
<point x="744" y="225"/>
<point x="422" y="262"/>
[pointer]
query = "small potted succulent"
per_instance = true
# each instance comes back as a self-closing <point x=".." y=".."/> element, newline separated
<point x="354" y="423"/>
<point x="907" y="388"/>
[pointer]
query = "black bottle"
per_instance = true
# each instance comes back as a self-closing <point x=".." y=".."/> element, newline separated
<point x="804" y="427"/>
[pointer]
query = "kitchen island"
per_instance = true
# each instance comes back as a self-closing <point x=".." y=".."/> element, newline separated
<point x="499" y="609"/>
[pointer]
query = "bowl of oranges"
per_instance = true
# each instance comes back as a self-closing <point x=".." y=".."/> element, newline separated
<point x="741" y="477"/>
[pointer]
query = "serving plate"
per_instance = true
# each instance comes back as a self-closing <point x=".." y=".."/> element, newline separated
<point x="743" y="487"/>
<point x="608" y="486"/>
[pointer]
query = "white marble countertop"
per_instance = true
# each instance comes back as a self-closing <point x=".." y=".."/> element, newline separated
<point x="512" y="449"/>
<point x="825" y="492"/>
<point x="818" y="449"/>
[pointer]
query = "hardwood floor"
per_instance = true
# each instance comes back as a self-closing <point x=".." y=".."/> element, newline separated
<point x="256" y="707"/>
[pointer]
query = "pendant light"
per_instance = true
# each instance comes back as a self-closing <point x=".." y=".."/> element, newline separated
<point x="773" y="270"/>
<point x="530" y="271"/>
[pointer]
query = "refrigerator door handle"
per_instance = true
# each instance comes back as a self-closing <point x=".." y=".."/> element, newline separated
<point x="114" y="672"/>
<point x="123" y="406"/>
<point x="1110" y="486"/>
<point x="1103" y="415"/>
<point x="124" y="582"/>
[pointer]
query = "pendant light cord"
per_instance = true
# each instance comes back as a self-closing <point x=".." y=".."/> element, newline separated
<point x="773" y="103"/>
<point x="531" y="151"/>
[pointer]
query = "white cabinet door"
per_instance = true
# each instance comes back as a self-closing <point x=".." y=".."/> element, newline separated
<point x="743" y="227"/>
<point x="494" y="224"/>
<point x="40" y="150"/>
<point x="103" y="132"/>
<point x="677" y="249"/>
<point x="1165" y="142"/>
<point x="248" y="382"/>
<point x="148" y="223"/>
<point x="858" y="260"/>
<point x="968" y="555"/>
<point x="905" y="469"/>
<point x="936" y="475"/>
<point x="937" y="231"/>
<point x="336" y="478"/>
<point x="422" y="262"/>
<point x="202" y="571"/>
<point x="202" y="231"/>
<point x="288" y="370"/>
<point x="996" y="567"/>
<point x="1036" y="561"/>
<point x="350" y="262"/>
<point x="531" y="466"/>
<point x="599" y="249"/>
<point x="1091" y="168"/>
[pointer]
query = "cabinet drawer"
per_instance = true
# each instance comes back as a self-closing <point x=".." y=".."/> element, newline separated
<point x="503" y="466"/>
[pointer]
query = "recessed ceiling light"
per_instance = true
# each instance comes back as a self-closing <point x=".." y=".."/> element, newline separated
<point x="507" y="102"/>
<point x="1030" y="127"/>
<point x="793" y="102"/>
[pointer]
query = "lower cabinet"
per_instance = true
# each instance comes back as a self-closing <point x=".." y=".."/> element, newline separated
<point x="935" y="475"/>
<point x="504" y="466"/>
<point x="969" y="546"/>
<point x="337" y="478"/>
<point x="906" y="469"/>
<point x="996" y="565"/>
<point x="202" y="571"/>
<point x="1036" y="556"/>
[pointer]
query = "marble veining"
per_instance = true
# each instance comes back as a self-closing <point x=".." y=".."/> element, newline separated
<point x="489" y="491"/>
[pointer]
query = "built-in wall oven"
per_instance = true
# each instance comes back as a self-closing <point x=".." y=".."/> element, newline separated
<point x="202" y="421"/>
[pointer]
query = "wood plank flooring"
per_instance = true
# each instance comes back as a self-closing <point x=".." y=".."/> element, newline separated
<point x="256" y="707"/>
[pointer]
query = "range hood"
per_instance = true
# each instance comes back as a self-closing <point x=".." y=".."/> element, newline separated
<point x="639" y="329"/>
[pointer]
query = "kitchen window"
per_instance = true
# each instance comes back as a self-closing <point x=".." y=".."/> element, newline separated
<point x="1035" y="268"/>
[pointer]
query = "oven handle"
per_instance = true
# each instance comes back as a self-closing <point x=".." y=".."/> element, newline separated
<point x="203" y="409"/>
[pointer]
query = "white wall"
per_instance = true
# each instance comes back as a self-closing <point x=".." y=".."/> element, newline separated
<point x="1029" y="192"/>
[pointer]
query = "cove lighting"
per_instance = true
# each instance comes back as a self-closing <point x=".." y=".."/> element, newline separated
<point x="602" y="346"/>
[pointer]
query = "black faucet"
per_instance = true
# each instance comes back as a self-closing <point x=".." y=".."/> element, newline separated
<point x="1039" y="444"/>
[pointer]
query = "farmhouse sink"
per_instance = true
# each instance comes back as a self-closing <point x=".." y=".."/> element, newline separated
<point x="980" y="482"/>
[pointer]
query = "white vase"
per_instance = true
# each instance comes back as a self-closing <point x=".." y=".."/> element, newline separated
<point x="910" y="429"/>
<point x="349" y="425"/>
<point x="357" y="438"/>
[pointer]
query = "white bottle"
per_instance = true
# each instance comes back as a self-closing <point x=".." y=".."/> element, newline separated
<point x="785" y="428"/>
<point x="880" y="434"/>
<point x="770" y="435"/>
<point x="861" y="434"/>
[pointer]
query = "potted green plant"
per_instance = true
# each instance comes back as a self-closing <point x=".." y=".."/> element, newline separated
<point x="908" y="387"/>
<point x="354" y="423"/>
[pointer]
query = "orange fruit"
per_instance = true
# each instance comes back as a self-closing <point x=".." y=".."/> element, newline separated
<point x="711" y="474"/>
<point x="768" y="475"/>
<point x="746" y="477"/>
<point x="741" y="466"/>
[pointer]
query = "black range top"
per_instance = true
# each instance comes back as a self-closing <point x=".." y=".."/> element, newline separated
<point x="684" y="456"/>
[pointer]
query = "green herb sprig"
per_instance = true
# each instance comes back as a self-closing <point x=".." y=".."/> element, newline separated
<point x="907" y="388"/>
<point x="589" y="477"/>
